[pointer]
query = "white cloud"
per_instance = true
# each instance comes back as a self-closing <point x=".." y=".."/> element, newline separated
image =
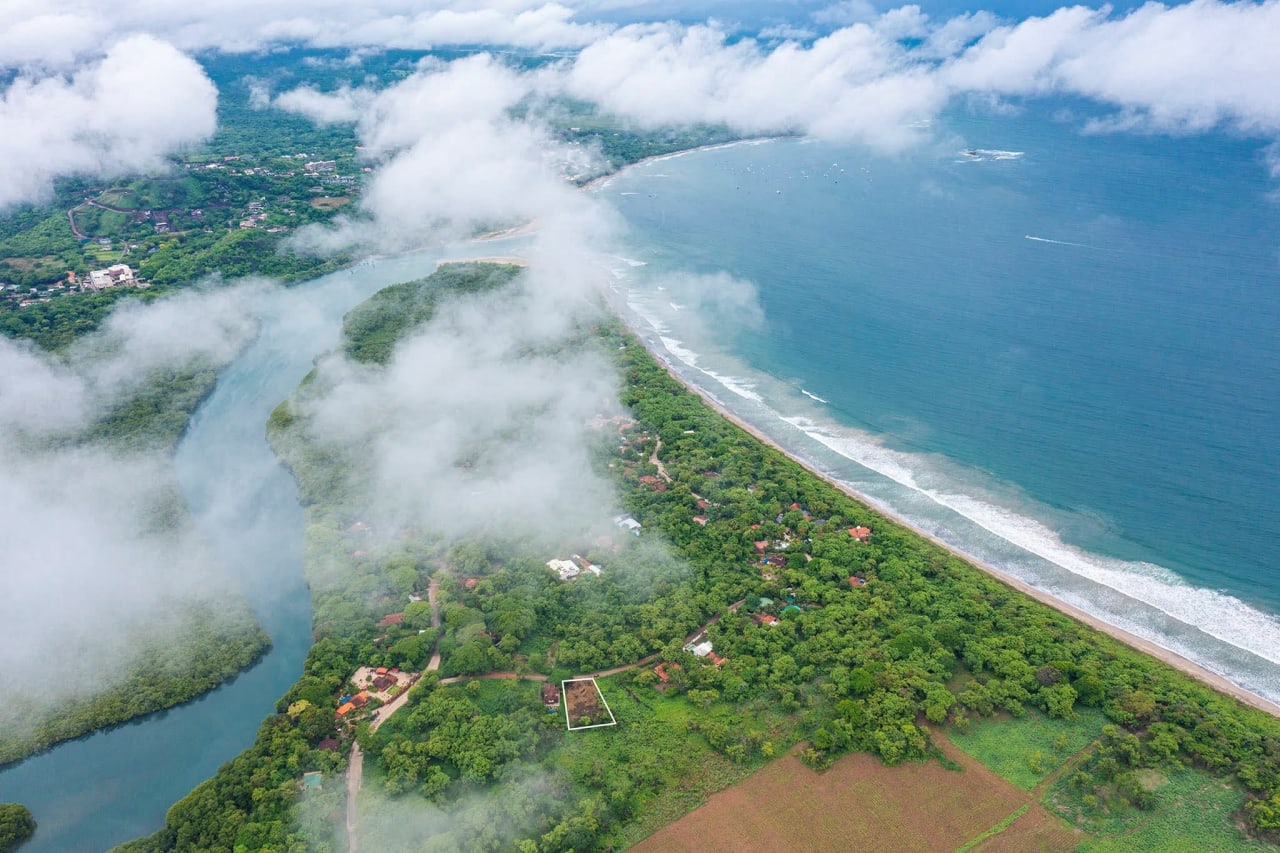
<point x="439" y="96"/>
<point x="1186" y="67"/>
<point x="956" y="33"/>
<point x="787" y="32"/>
<point x="846" y="12"/>
<point x="452" y="160"/>
<point x="62" y="30"/>
<point x="475" y="427"/>
<point x="1181" y="68"/>
<point x="86" y="570"/>
<point x="124" y="113"/>
<point x="345" y="104"/>
<point x="904" y="22"/>
<point x="54" y="40"/>
<point x="855" y="83"/>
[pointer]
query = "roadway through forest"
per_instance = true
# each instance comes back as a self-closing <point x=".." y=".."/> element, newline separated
<point x="71" y="218"/>
<point x="657" y="463"/>
<point x="355" y="766"/>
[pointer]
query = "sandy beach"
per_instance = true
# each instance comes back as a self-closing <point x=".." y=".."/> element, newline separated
<point x="1195" y="670"/>
<point x="529" y="227"/>
<point x="509" y="260"/>
<point x="604" y="179"/>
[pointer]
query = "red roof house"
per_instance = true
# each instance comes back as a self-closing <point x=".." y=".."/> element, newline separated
<point x="661" y="670"/>
<point x="862" y="534"/>
<point x="390" y="619"/>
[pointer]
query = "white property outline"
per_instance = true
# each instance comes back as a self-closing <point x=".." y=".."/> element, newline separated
<point x="564" y="694"/>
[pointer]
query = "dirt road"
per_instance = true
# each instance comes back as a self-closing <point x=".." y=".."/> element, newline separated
<point x="355" y="766"/>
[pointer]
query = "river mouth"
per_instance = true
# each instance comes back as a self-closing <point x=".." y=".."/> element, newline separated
<point x="116" y="785"/>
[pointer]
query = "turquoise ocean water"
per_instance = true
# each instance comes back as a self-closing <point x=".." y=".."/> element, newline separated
<point x="1059" y="352"/>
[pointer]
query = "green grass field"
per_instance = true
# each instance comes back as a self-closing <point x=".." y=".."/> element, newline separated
<point x="1025" y="750"/>
<point x="656" y="744"/>
<point x="123" y="198"/>
<point x="501" y="696"/>
<point x="1193" y="811"/>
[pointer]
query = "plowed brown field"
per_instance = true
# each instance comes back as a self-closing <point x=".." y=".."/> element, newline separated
<point x="858" y="804"/>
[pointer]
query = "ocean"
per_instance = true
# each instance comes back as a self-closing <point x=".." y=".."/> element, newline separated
<point x="1057" y="351"/>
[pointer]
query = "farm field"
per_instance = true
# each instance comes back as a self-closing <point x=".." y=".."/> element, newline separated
<point x="1035" y="830"/>
<point x="855" y="805"/>
<point x="661" y="744"/>
<point x="329" y="202"/>
<point x="584" y="705"/>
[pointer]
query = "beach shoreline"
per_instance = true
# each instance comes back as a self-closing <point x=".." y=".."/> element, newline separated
<point x="602" y="180"/>
<point x="1189" y="667"/>
<point x="507" y="260"/>
<point x="1183" y="664"/>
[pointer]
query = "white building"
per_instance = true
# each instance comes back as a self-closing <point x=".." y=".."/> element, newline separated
<point x="701" y="649"/>
<point x="566" y="569"/>
<point x="628" y="523"/>
<point x="112" y="276"/>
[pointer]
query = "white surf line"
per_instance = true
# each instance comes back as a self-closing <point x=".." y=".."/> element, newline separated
<point x="813" y="396"/>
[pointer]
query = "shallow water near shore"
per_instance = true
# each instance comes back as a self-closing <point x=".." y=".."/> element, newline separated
<point x="1058" y="353"/>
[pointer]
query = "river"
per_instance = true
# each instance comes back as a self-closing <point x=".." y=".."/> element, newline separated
<point x="101" y="790"/>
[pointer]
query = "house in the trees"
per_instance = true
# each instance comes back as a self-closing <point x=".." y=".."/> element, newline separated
<point x="551" y="696"/>
<point x="566" y="569"/>
<point x="628" y="524"/>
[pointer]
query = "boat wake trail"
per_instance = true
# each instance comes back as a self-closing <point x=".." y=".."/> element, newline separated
<point x="1058" y="242"/>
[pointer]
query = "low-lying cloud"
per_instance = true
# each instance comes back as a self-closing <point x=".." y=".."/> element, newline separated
<point x="451" y="160"/>
<point x="88" y="564"/>
<point x="122" y="113"/>
<point x="872" y="77"/>
<point x="878" y="77"/>
<point x="479" y="425"/>
<point x="1183" y="69"/>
